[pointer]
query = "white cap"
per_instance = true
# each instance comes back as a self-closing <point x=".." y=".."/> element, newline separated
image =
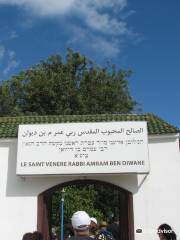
<point x="94" y="220"/>
<point x="80" y="220"/>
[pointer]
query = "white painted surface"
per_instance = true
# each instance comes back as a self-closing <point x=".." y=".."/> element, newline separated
<point x="78" y="148"/>
<point x="157" y="200"/>
<point x="156" y="196"/>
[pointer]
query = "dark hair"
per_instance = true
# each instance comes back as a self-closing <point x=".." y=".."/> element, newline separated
<point x="28" y="236"/>
<point x="37" y="235"/>
<point x="167" y="231"/>
<point x="115" y="219"/>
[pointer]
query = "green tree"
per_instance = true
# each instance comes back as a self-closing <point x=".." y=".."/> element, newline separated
<point x="76" y="198"/>
<point x="98" y="200"/>
<point x="75" y="85"/>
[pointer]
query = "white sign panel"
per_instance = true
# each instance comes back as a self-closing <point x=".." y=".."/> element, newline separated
<point x="82" y="148"/>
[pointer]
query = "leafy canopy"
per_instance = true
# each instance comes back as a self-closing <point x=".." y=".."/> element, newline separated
<point x="75" y="85"/>
<point x="98" y="200"/>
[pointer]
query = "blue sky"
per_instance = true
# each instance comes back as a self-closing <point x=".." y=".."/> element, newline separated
<point x="140" y="35"/>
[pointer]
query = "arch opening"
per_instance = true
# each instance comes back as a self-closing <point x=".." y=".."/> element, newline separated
<point x="108" y="201"/>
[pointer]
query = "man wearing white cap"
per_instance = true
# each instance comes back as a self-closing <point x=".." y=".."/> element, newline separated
<point x="93" y="227"/>
<point x="80" y="222"/>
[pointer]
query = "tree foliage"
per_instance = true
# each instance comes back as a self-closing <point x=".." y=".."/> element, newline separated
<point x="76" y="198"/>
<point x="98" y="200"/>
<point x="75" y="85"/>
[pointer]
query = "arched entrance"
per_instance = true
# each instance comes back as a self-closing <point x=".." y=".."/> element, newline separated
<point x="125" y="208"/>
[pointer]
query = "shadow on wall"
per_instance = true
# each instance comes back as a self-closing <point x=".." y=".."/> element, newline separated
<point x="33" y="186"/>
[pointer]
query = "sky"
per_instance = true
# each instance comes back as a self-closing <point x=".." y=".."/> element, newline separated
<point x="143" y="36"/>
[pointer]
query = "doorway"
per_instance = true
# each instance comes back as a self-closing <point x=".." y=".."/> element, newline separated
<point x="110" y="201"/>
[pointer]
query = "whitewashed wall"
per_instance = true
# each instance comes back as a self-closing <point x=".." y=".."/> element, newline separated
<point x="156" y="196"/>
<point x="157" y="200"/>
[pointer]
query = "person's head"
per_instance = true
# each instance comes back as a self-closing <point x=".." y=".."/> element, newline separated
<point x="103" y="225"/>
<point x="80" y="222"/>
<point x="28" y="236"/>
<point x="37" y="236"/>
<point x="165" y="232"/>
<point x="93" y="222"/>
<point x="93" y="225"/>
<point x="70" y="231"/>
<point x="115" y="219"/>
